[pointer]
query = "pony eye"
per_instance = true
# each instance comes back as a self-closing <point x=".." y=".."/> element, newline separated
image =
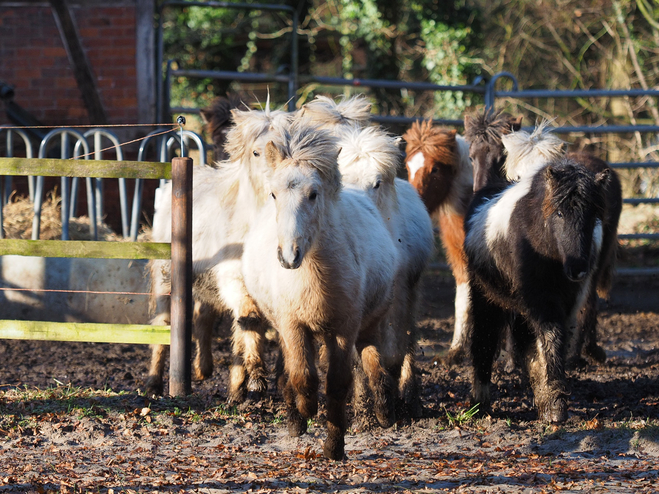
<point x="257" y="154"/>
<point x="272" y="194"/>
<point x="313" y="195"/>
<point x="434" y="169"/>
<point x="377" y="185"/>
<point x="559" y="214"/>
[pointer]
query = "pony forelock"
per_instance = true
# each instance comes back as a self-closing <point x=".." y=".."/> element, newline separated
<point x="434" y="142"/>
<point x="249" y="126"/>
<point x="528" y="151"/>
<point x="488" y="126"/>
<point x="307" y="145"/>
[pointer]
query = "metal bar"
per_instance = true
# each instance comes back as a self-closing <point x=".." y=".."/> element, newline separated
<point x="180" y="372"/>
<point x="639" y="236"/>
<point x="293" y="74"/>
<point x="604" y="129"/>
<point x="330" y="81"/>
<point x="576" y="93"/>
<point x="652" y="200"/>
<point x="632" y="164"/>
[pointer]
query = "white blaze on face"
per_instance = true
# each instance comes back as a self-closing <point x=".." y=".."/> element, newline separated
<point x="415" y="164"/>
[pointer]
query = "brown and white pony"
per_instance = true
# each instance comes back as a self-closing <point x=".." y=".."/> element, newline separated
<point x="320" y="264"/>
<point x="438" y="167"/>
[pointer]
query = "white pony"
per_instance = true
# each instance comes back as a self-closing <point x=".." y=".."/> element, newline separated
<point x="225" y="202"/>
<point x="327" y="113"/>
<point x="368" y="160"/>
<point x="320" y="264"/>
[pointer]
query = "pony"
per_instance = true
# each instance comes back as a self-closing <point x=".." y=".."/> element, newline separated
<point x="369" y="160"/>
<point x="483" y="132"/>
<point x="217" y="122"/>
<point x="320" y="264"/>
<point x="528" y="151"/>
<point x="225" y="202"/>
<point x="327" y="113"/>
<point x="438" y="167"/>
<point x="532" y="248"/>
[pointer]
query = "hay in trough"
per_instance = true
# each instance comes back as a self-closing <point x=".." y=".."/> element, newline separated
<point x="19" y="212"/>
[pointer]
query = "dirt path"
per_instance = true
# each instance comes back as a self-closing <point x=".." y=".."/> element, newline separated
<point x="76" y="423"/>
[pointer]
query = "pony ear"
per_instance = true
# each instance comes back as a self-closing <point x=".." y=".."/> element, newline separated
<point x="516" y="123"/>
<point x="205" y="115"/>
<point x="452" y="133"/>
<point x="273" y="156"/>
<point x="550" y="175"/>
<point x="602" y="178"/>
<point x="468" y="121"/>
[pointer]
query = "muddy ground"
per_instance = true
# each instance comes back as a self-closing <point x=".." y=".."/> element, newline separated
<point x="72" y="419"/>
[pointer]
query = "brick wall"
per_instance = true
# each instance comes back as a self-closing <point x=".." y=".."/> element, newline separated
<point x="34" y="61"/>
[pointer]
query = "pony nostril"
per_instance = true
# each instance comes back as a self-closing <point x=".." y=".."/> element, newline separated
<point x="296" y="261"/>
<point x="280" y="257"/>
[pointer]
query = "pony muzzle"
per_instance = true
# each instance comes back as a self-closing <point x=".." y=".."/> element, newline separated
<point x="292" y="260"/>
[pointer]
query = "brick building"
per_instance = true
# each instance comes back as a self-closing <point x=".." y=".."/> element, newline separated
<point x="79" y="61"/>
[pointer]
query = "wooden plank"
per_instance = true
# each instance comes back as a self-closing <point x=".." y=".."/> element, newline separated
<point x="84" y="168"/>
<point x="80" y="65"/>
<point x="85" y="249"/>
<point x="139" y="334"/>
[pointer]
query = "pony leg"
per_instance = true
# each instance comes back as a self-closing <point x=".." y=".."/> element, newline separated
<point x="248" y="332"/>
<point x="202" y="335"/>
<point x="160" y="304"/>
<point x="487" y="321"/>
<point x="545" y="362"/>
<point x="339" y="379"/>
<point x="301" y="377"/>
<point x="379" y="380"/>
<point x="408" y="386"/>
<point x="588" y="330"/>
<point x="452" y="235"/>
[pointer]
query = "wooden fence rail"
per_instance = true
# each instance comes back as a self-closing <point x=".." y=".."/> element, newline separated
<point x="178" y="335"/>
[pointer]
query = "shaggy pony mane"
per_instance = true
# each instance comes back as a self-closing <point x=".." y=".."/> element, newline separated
<point x="328" y="113"/>
<point x="371" y="143"/>
<point x="527" y="152"/>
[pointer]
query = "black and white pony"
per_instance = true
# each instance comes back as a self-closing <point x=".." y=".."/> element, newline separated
<point x="531" y="250"/>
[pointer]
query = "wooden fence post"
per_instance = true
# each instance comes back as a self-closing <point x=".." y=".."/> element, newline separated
<point x="180" y="373"/>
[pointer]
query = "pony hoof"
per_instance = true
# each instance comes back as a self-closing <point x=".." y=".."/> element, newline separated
<point x="201" y="374"/>
<point x="597" y="353"/>
<point x="386" y="419"/>
<point x="555" y="413"/>
<point x="334" y="448"/>
<point x="236" y="396"/>
<point x="154" y="387"/>
<point x="257" y="384"/>
<point x="297" y="425"/>
<point x="455" y="356"/>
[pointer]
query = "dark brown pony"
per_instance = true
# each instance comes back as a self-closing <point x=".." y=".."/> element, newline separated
<point x="532" y="249"/>
<point x="438" y="167"/>
<point x="523" y="150"/>
<point x="217" y="122"/>
<point x="483" y="132"/>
